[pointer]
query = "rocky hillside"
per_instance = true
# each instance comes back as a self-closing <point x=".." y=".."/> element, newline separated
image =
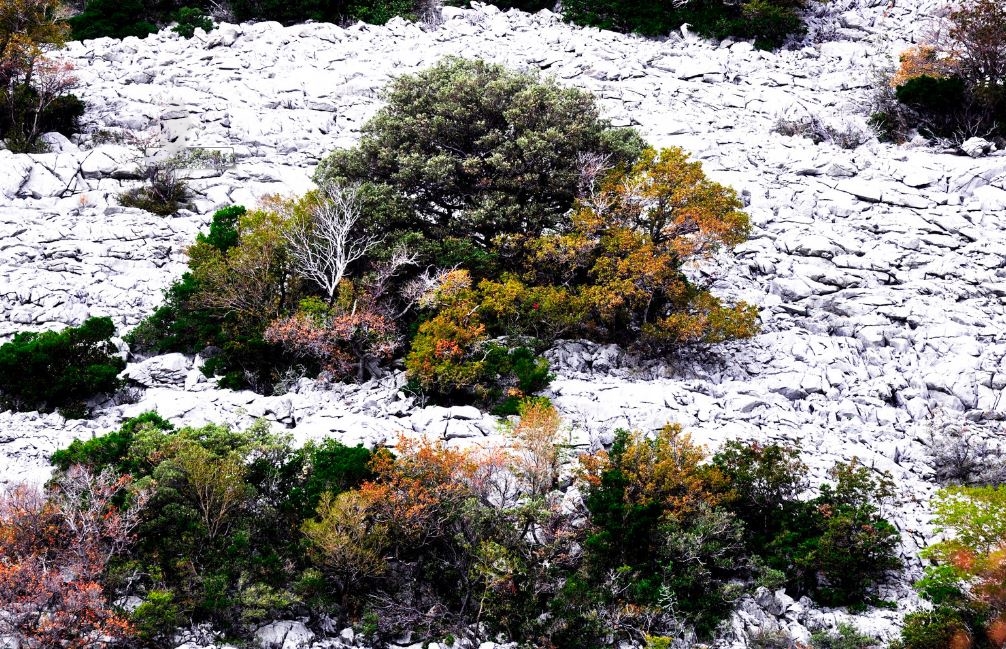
<point x="877" y="268"/>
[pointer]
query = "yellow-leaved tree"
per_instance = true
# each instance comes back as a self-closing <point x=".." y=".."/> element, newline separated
<point x="30" y="81"/>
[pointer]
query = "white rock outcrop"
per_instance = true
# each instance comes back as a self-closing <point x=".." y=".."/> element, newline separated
<point x="878" y="270"/>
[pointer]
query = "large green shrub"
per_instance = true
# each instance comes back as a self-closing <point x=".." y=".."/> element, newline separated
<point x="481" y="151"/>
<point x="193" y="318"/>
<point x="219" y="538"/>
<point x="836" y="546"/>
<point x="48" y="370"/>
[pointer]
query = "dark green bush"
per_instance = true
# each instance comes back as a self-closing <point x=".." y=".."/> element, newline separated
<point x="188" y="19"/>
<point x="18" y="127"/>
<point x="768" y="22"/>
<point x="664" y="537"/>
<point x="332" y="467"/>
<point x="933" y="95"/>
<point x="62" y="116"/>
<point x="513" y="164"/>
<point x="834" y="547"/>
<point x="114" y="18"/>
<point x="48" y="370"/>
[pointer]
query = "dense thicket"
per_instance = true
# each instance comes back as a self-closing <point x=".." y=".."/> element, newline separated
<point x="49" y="370"/>
<point x="484" y="214"/>
<point x="238" y="527"/>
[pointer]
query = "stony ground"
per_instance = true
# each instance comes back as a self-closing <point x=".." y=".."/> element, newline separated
<point x="877" y="268"/>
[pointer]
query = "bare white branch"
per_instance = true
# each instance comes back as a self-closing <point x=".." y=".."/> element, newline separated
<point x="324" y="245"/>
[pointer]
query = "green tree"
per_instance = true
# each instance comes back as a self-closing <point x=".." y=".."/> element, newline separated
<point x="48" y="370"/>
<point x="481" y="151"/>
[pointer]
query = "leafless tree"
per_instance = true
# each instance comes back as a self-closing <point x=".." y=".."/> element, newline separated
<point x="323" y="245"/>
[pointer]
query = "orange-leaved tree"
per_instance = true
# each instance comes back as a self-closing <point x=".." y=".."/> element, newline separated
<point x="54" y="548"/>
<point x="622" y="262"/>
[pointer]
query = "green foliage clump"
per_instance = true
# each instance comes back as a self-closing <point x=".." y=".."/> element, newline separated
<point x="188" y="19"/>
<point x="236" y="284"/>
<point x="48" y="370"/>
<point x="218" y="539"/>
<point x="768" y="22"/>
<point x="965" y="584"/>
<point x="164" y="192"/>
<point x="952" y="88"/>
<point x="157" y="617"/>
<point x="845" y="637"/>
<point x="21" y="123"/>
<point x="112" y="18"/>
<point x="659" y="542"/>
<point x="110" y="451"/>
<point x="833" y="547"/>
<point x="512" y="165"/>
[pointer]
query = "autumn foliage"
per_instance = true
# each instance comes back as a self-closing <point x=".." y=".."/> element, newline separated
<point x="54" y="549"/>
<point x="953" y="85"/>
<point x="474" y="259"/>
<point x="32" y="82"/>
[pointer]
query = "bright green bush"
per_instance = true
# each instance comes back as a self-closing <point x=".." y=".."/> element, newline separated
<point x="49" y="370"/>
<point x="112" y="450"/>
<point x="188" y="19"/>
<point x="157" y="617"/>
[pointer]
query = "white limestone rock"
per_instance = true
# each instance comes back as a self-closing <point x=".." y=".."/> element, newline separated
<point x="160" y="371"/>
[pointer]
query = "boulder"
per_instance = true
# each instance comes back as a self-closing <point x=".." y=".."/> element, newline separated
<point x="977" y="147"/>
<point x="284" y="634"/>
<point x="159" y="371"/>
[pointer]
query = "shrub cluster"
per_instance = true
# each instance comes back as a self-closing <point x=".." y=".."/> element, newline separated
<point x="49" y="370"/>
<point x="768" y="22"/>
<point x="237" y="527"/>
<point x="218" y="537"/>
<point x="965" y="584"/>
<point x="122" y="18"/>
<point x="953" y="87"/>
<point x="539" y="221"/>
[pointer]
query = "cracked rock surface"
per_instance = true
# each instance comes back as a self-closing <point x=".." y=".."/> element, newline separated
<point x="878" y="269"/>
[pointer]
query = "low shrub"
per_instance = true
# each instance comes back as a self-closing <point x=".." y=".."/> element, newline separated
<point x="163" y="193"/>
<point x="49" y="370"/>
<point x="846" y="636"/>
<point x="961" y="453"/>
